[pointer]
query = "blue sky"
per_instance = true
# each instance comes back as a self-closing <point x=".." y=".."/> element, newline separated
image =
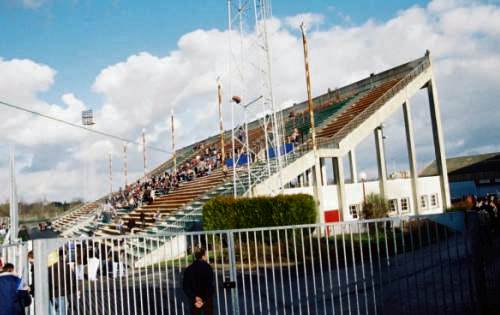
<point x="129" y="51"/>
<point x="80" y="38"/>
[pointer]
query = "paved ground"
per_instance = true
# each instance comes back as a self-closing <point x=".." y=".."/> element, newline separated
<point x="437" y="279"/>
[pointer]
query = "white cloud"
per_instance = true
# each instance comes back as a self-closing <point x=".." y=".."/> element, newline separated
<point x="32" y="4"/>
<point x="139" y="92"/>
<point x="310" y="20"/>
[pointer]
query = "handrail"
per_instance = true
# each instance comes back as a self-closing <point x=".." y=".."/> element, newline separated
<point x="379" y="102"/>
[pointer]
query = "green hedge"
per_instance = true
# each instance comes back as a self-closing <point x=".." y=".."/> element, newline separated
<point x="222" y="213"/>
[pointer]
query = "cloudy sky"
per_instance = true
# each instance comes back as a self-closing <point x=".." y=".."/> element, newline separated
<point x="132" y="63"/>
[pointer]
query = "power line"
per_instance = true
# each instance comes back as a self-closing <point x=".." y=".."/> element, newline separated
<point x="101" y="133"/>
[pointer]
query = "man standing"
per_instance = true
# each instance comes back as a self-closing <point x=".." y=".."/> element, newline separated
<point x="199" y="284"/>
<point x="14" y="297"/>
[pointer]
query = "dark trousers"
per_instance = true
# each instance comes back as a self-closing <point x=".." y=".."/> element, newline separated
<point x="206" y="309"/>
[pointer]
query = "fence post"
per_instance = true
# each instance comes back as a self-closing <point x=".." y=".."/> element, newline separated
<point x="232" y="271"/>
<point x="40" y="276"/>
<point x="477" y="236"/>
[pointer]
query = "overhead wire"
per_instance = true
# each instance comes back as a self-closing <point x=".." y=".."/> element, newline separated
<point x="91" y="130"/>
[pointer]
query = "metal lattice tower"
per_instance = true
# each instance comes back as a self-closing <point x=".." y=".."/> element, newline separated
<point x="251" y="80"/>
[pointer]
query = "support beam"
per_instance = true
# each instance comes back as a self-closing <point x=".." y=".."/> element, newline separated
<point x="338" y="170"/>
<point x="353" y="166"/>
<point x="382" y="171"/>
<point x="437" y="132"/>
<point x="410" y="144"/>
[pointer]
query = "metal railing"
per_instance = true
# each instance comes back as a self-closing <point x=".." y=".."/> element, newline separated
<point x="387" y="266"/>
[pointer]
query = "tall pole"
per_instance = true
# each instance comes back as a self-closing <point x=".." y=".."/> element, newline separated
<point x="13" y="207"/>
<point x="221" y="123"/>
<point x="247" y="144"/>
<point x="317" y="171"/>
<point x="308" y="84"/>
<point x="125" y="166"/>
<point x="110" y="160"/>
<point x="173" y="139"/>
<point x="144" y="151"/>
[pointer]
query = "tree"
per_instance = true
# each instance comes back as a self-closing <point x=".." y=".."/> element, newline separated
<point x="374" y="207"/>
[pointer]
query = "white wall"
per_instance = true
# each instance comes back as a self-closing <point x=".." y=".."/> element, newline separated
<point x="396" y="189"/>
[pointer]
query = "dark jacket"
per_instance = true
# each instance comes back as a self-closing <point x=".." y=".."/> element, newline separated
<point x="199" y="280"/>
<point x="12" y="296"/>
<point x="62" y="281"/>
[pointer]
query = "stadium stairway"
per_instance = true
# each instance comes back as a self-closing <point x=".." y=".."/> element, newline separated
<point x="74" y="217"/>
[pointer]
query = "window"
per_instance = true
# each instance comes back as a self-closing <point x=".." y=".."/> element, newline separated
<point x="405" y="204"/>
<point x="423" y="201"/>
<point x="393" y="205"/>
<point x="354" y="210"/>
<point x="434" y="201"/>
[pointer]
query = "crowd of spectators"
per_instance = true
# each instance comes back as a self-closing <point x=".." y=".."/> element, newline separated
<point x="486" y="206"/>
<point x="145" y="191"/>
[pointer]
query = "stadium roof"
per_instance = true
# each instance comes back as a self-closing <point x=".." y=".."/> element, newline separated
<point x="467" y="163"/>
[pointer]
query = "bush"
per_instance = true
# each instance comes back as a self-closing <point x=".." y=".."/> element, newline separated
<point x="222" y="213"/>
<point x="374" y="207"/>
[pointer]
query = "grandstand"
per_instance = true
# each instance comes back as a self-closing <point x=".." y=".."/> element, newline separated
<point x="344" y="117"/>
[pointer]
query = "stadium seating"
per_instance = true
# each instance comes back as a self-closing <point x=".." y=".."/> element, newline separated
<point x="182" y="209"/>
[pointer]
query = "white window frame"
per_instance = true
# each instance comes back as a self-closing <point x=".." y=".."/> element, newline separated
<point x="407" y="200"/>
<point x="424" y="202"/>
<point x="354" y="210"/>
<point x="434" y="201"/>
<point x="393" y="202"/>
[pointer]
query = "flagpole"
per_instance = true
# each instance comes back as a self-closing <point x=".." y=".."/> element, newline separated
<point x="317" y="170"/>
<point x="221" y="123"/>
<point x="125" y="164"/>
<point x="173" y="139"/>
<point x="13" y="205"/>
<point x="144" y="151"/>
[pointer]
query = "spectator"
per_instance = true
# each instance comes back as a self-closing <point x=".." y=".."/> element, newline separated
<point x="32" y="273"/>
<point x="62" y="284"/>
<point x="14" y="296"/>
<point x="23" y="233"/>
<point x="93" y="265"/>
<point x="143" y="219"/>
<point x="130" y="224"/>
<point x="157" y="216"/>
<point x="199" y="284"/>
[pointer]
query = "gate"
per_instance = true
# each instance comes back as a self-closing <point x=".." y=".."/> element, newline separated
<point x="433" y="264"/>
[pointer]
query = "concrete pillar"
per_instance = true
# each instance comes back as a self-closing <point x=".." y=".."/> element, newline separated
<point x="382" y="171"/>
<point x="301" y="180"/>
<point x="310" y="178"/>
<point x="352" y="166"/>
<point x="410" y="144"/>
<point x="338" y="169"/>
<point x="439" y="148"/>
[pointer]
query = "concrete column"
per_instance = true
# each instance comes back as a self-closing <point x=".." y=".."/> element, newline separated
<point x="352" y="166"/>
<point x="310" y="177"/>
<point x="338" y="169"/>
<point x="410" y="144"/>
<point x="301" y="180"/>
<point x="382" y="171"/>
<point x="439" y="148"/>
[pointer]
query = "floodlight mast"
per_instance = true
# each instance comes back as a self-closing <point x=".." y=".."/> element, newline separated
<point x="255" y="42"/>
<point x="87" y="122"/>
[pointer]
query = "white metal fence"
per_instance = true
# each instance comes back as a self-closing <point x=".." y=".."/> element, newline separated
<point x="387" y="266"/>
